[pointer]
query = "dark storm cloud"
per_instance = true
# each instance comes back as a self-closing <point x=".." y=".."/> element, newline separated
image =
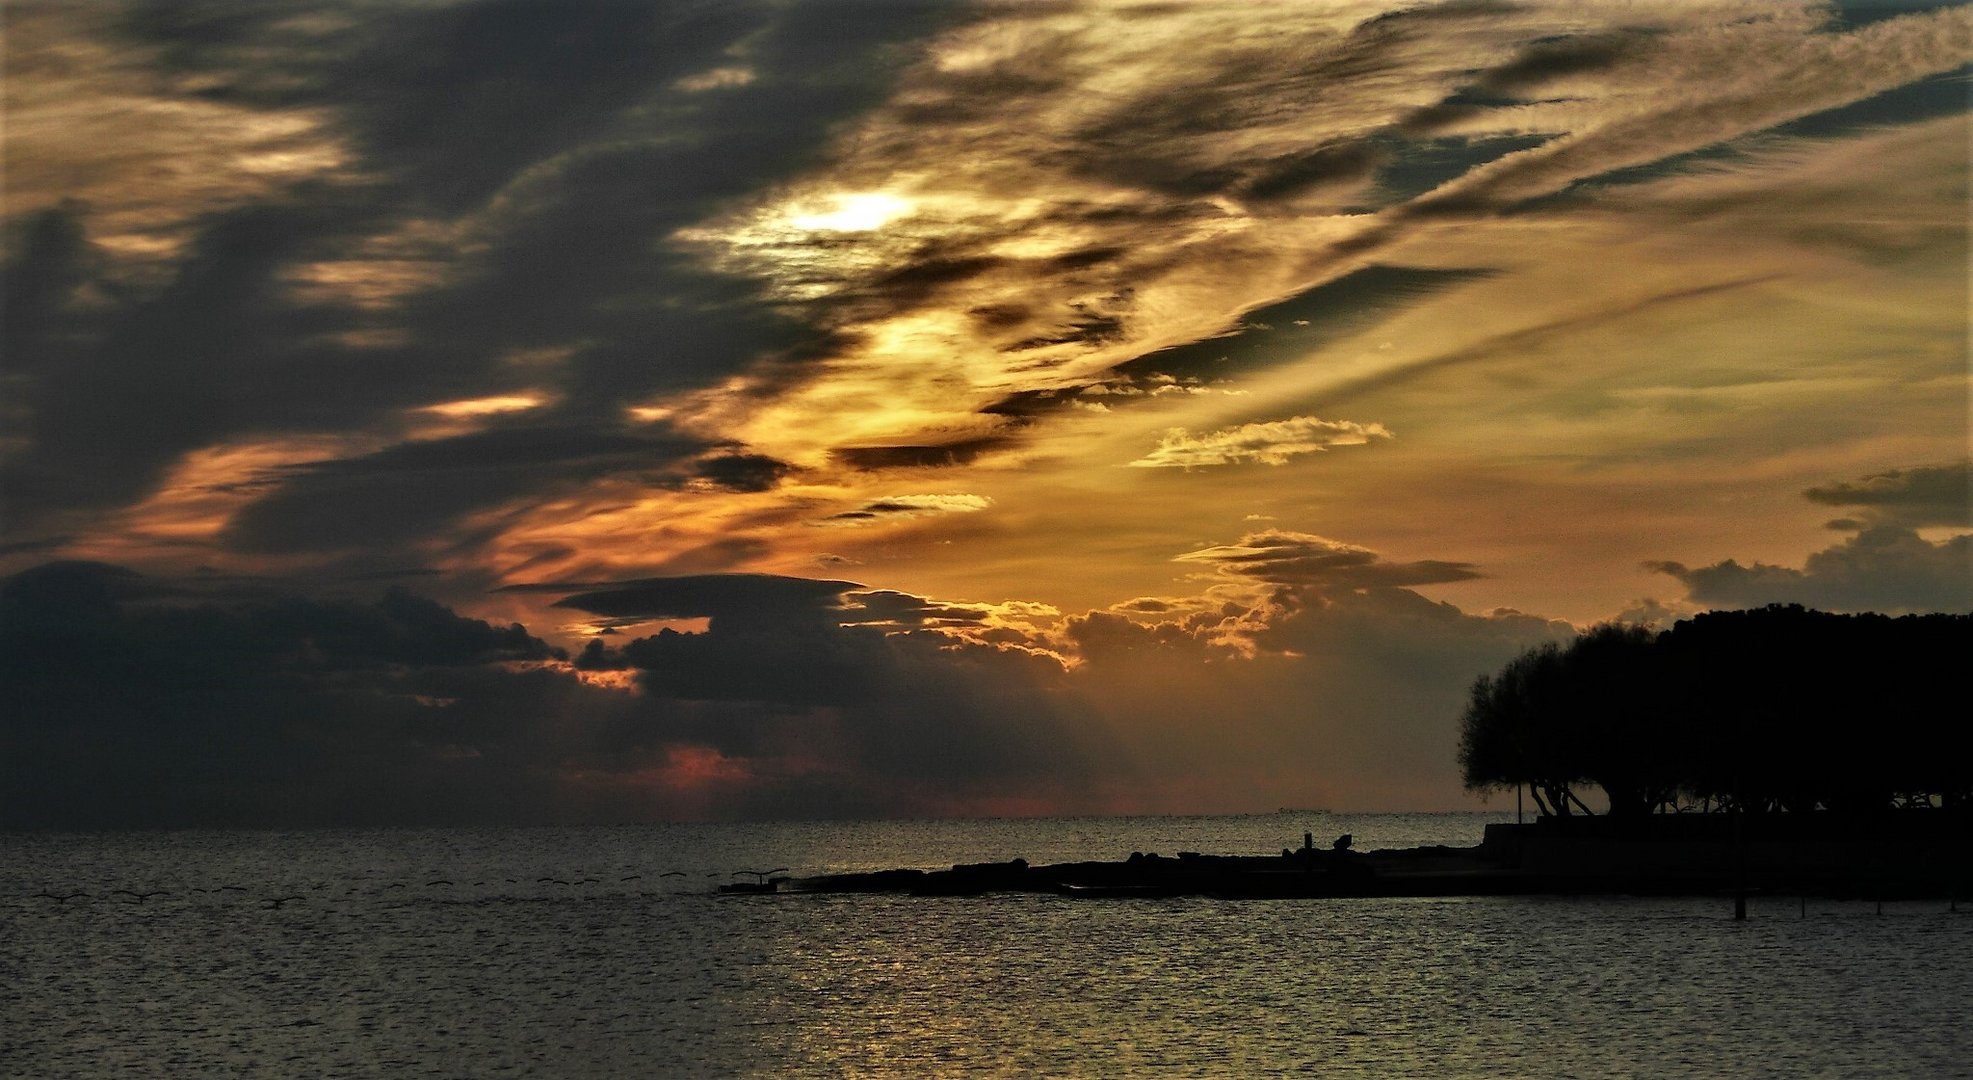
<point x="914" y="710"/>
<point x="419" y="489"/>
<point x="135" y="701"/>
<point x="563" y="140"/>
<point x="113" y="392"/>
<point x="453" y="102"/>
<point x="919" y="713"/>
<point x="133" y="704"/>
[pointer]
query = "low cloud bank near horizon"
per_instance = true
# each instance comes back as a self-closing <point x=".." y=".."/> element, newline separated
<point x="1287" y="668"/>
<point x="139" y="701"/>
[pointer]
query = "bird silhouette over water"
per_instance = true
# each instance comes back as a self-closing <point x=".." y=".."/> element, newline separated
<point x="60" y="898"/>
<point x="277" y="901"/>
<point x="138" y="897"/>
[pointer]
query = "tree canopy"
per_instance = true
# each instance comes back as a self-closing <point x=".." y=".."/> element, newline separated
<point x="1780" y="708"/>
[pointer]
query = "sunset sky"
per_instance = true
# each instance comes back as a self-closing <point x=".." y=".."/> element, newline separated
<point x="886" y="407"/>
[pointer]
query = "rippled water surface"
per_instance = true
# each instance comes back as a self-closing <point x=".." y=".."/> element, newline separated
<point x="604" y="952"/>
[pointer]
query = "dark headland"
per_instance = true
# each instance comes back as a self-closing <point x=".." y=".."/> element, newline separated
<point x="1699" y="854"/>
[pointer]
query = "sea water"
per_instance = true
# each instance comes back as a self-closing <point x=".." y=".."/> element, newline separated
<point x="608" y="952"/>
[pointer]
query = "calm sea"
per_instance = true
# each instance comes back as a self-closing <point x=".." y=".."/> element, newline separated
<point x="604" y="952"/>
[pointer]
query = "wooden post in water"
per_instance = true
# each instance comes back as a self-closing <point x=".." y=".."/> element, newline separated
<point x="1739" y="870"/>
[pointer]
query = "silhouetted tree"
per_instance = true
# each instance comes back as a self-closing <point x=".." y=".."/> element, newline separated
<point x="1623" y="723"/>
<point x="1514" y="732"/>
<point x="1776" y="709"/>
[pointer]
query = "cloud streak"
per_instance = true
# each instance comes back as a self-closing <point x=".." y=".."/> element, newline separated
<point x="1923" y="495"/>
<point x="905" y="507"/>
<point x="1269" y="442"/>
<point x="1281" y="557"/>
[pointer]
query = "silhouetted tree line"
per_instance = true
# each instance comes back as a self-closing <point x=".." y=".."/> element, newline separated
<point x="1778" y="709"/>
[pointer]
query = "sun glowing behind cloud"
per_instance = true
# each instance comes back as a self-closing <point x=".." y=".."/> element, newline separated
<point x="861" y="211"/>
